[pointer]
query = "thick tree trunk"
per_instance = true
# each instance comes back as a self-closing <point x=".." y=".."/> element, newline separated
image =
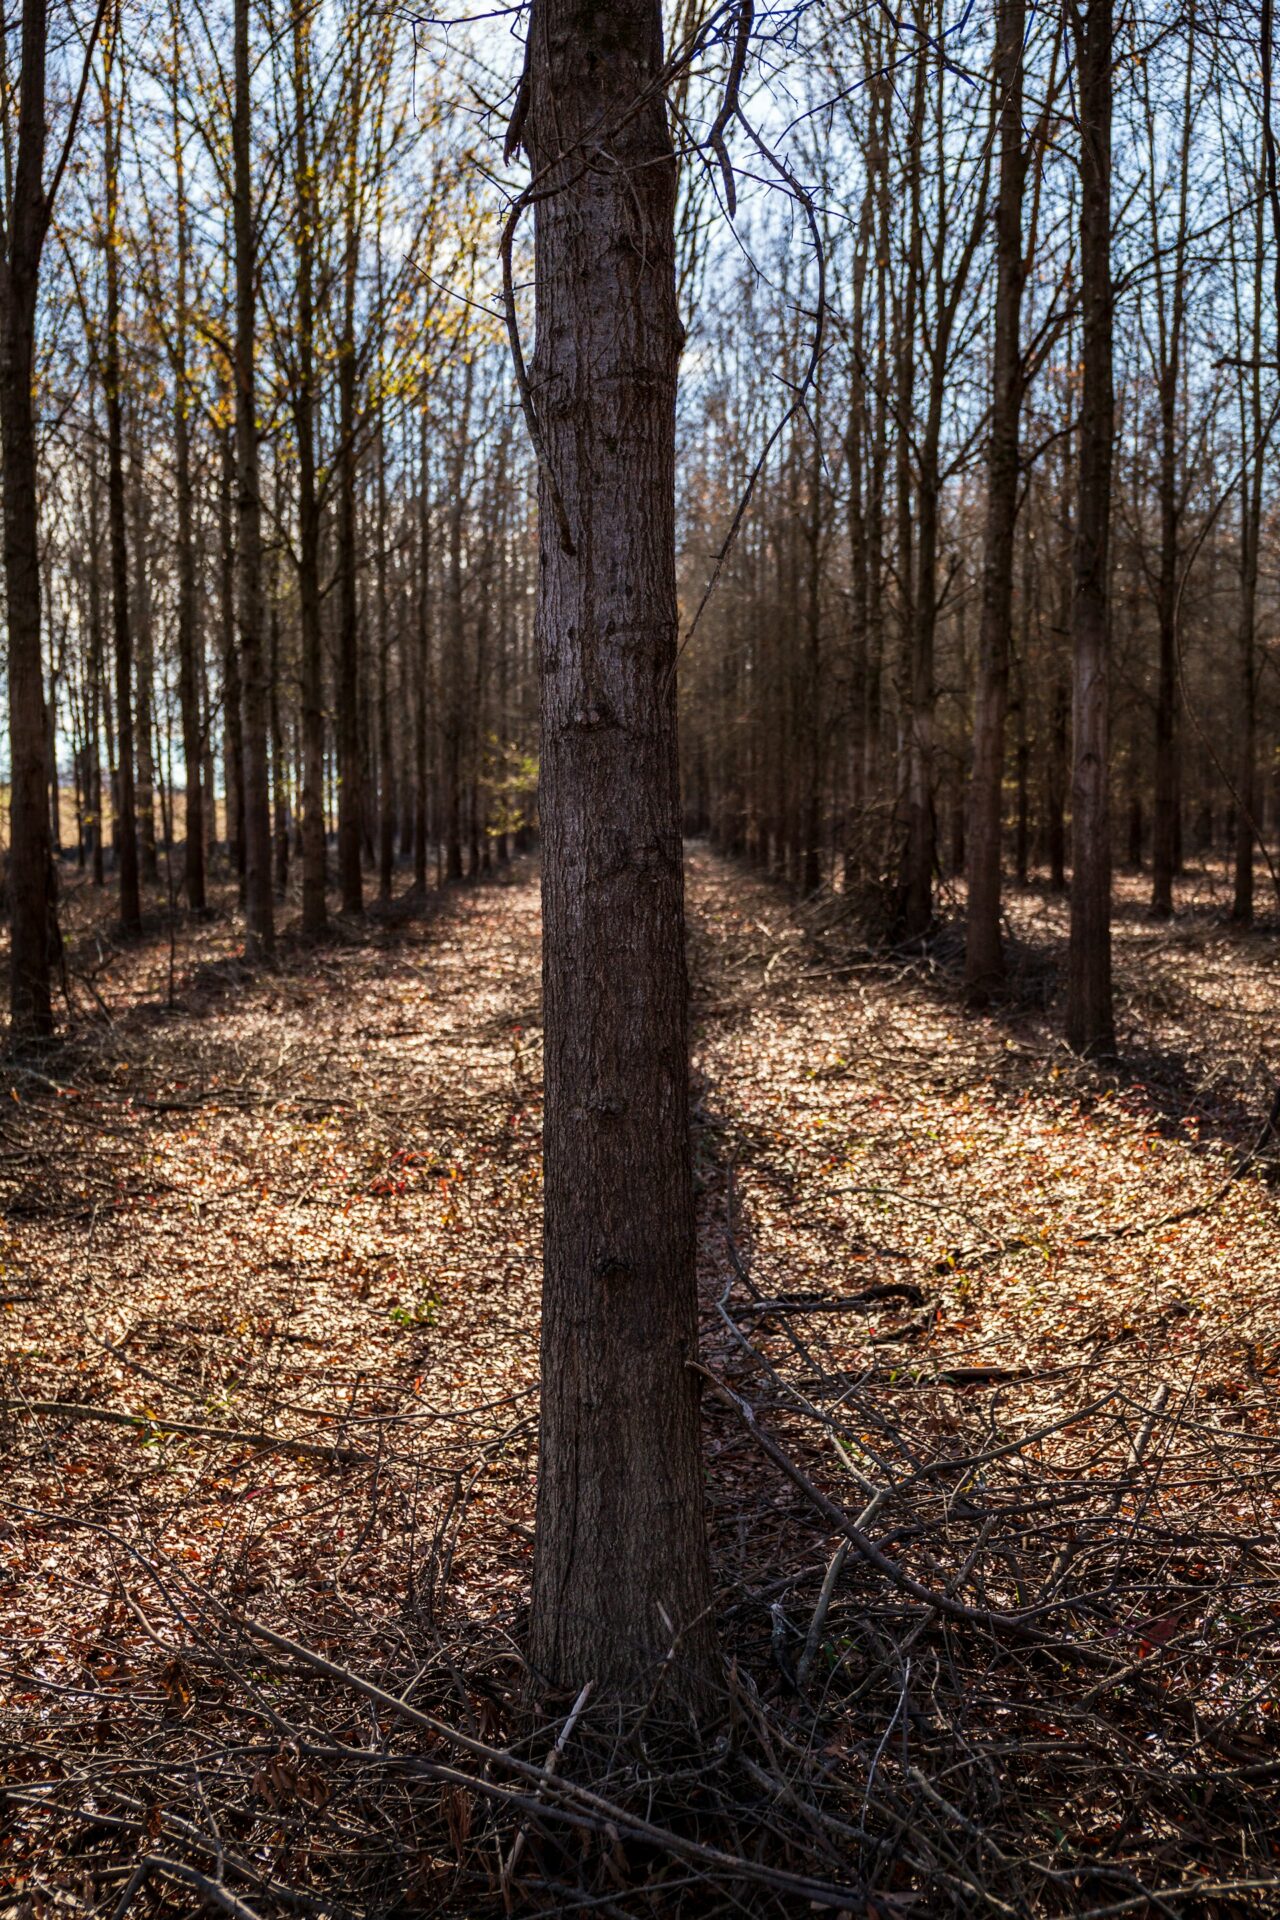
<point x="621" y="1572"/>
<point x="1090" y="1021"/>
<point x="984" y="959"/>
<point x="259" y="896"/>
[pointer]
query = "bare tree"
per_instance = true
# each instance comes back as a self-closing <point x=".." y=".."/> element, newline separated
<point x="984" y="960"/>
<point x="1090" y="1021"/>
<point x="621" y="1569"/>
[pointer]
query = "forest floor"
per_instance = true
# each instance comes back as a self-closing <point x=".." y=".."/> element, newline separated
<point x="993" y="1460"/>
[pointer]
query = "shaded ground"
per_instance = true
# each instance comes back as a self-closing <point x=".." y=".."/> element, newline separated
<point x="288" y="1227"/>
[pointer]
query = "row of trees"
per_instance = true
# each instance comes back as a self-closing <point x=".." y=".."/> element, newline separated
<point x="1019" y="409"/>
<point x="1013" y="380"/>
<point x="271" y="576"/>
<point x="982" y="422"/>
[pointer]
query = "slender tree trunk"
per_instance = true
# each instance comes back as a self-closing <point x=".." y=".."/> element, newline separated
<point x="232" y="703"/>
<point x="621" y="1573"/>
<point x="422" y="662"/>
<point x="350" y="768"/>
<point x="1251" y="435"/>
<point x="454" y="665"/>
<point x="1171" y="328"/>
<point x="386" y="754"/>
<point x="315" y="913"/>
<point x="97" y="667"/>
<point x="140" y="608"/>
<point x="259" y="896"/>
<point x="984" y="959"/>
<point x="31" y="898"/>
<point x="1090" y="1021"/>
<point x="130" y="895"/>
<point x="279" y="763"/>
<point x="193" y="861"/>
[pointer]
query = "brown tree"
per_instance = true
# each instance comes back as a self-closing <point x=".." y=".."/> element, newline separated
<point x="1090" y="1021"/>
<point x="984" y="960"/>
<point x="259" y="902"/>
<point x="23" y="231"/>
<point x="621" y="1568"/>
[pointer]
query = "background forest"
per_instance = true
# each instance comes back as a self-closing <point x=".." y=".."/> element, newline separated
<point x="834" y="420"/>
<point x="640" y="1126"/>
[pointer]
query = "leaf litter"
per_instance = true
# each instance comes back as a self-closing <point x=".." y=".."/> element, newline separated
<point x="991" y="1433"/>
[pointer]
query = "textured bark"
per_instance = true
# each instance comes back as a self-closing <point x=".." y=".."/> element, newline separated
<point x="259" y="901"/>
<point x="984" y="958"/>
<point x="1090" y="1022"/>
<point x="621" y="1566"/>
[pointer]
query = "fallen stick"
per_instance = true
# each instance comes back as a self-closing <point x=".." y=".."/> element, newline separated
<point x="818" y="1892"/>
<point x="142" y="1422"/>
<point x="841" y="1523"/>
<point x="213" y="1890"/>
<point x="553" y="1760"/>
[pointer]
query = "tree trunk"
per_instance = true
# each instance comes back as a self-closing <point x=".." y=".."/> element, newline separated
<point x="984" y="959"/>
<point x="315" y="913"/>
<point x="350" y="769"/>
<point x="1090" y="1021"/>
<point x="30" y="863"/>
<point x="1251" y="435"/>
<point x="97" y="668"/>
<point x="126" y="803"/>
<point x="259" y="897"/>
<point x="422" y="660"/>
<point x="145" y="664"/>
<point x="31" y="898"/>
<point x="621" y="1574"/>
<point x="188" y="614"/>
<point x="1164" y="815"/>
<point x="232" y="718"/>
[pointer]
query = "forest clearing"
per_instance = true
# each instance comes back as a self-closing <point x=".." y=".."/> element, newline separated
<point x="940" y="1260"/>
